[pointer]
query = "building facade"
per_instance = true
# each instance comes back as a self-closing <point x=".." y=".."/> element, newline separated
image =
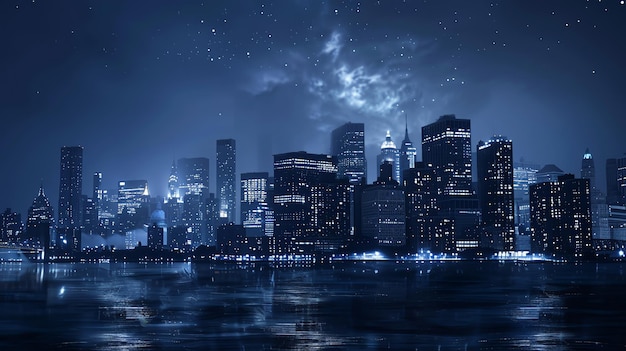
<point x="226" y="178"/>
<point x="348" y="145"/>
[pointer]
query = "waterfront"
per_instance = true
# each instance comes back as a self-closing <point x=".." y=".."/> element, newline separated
<point x="473" y="305"/>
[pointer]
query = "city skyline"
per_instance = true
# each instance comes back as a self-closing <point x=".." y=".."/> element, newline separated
<point x="139" y="88"/>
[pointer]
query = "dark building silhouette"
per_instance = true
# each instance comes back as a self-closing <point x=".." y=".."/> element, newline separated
<point x="348" y="145"/>
<point x="383" y="210"/>
<point x="561" y="217"/>
<point x="495" y="193"/>
<point x="600" y="230"/>
<point x="331" y="213"/>
<point x="446" y="145"/>
<point x="408" y="153"/>
<point x="230" y="239"/>
<point x="40" y="222"/>
<point x="616" y="181"/>
<point x="155" y="236"/>
<point x="226" y="178"/>
<point x="177" y="238"/>
<point x="213" y="220"/>
<point x="295" y="174"/>
<point x="193" y="175"/>
<point x="70" y="198"/>
<point x="549" y="173"/>
<point x="421" y="207"/>
<point x="195" y="218"/>
<point x="11" y="227"/>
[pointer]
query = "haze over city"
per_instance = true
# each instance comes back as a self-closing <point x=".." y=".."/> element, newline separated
<point x="138" y="84"/>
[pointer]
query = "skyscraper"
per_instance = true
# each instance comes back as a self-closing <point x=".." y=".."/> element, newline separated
<point x="421" y="206"/>
<point x="254" y="202"/>
<point x="132" y="203"/>
<point x="226" y="178"/>
<point x="495" y="192"/>
<point x="70" y="197"/>
<point x="446" y="144"/>
<point x="524" y="175"/>
<point x="616" y="181"/>
<point x="601" y="233"/>
<point x="172" y="183"/>
<point x="561" y="217"/>
<point x="348" y="145"/>
<point x="193" y="175"/>
<point x="391" y="154"/>
<point x="40" y="221"/>
<point x="295" y="174"/>
<point x="408" y="152"/>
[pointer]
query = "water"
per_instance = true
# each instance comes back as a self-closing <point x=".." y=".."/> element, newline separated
<point x="359" y="306"/>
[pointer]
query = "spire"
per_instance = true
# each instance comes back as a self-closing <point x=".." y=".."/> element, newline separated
<point x="587" y="155"/>
<point x="406" y="127"/>
<point x="41" y="193"/>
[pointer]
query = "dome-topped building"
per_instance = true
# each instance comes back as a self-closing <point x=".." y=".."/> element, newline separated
<point x="389" y="152"/>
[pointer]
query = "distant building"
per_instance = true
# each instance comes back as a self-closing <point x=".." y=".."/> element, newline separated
<point x="295" y="175"/>
<point x="132" y="203"/>
<point x="70" y="198"/>
<point x="421" y="206"/>
<point x="40" y="221"/>
<point x="391" y="154"/>
<point x="549" y="173"/>
<point x="226" y="178"/>
<point x="177" y="238"/>
<point x="383" y="210"/>
<point x="194" y="218"/>
<point x="173" y="192"/>
<point x="408" y="153"/>
<point x="11" y="227"/>
<point x="348" y="145"/>
<point x="495" y="193"/>
<point x="601" y="233"/>
<point x="213" y="220"/>
<point x="561" y="217"/>
<point x="254" y="202"/>
<point x="157" y="229"/>
<point x="193" y="176"/>
<point x="524" y="175"/>
<point x="616" y="181"/>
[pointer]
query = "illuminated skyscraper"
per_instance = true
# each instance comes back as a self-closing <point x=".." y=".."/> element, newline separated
<point x="348" y="145"/>
<point x="226" y="178"/>
<point x="254" y="202"/>
<point x="295" y="175"/>
<point x="495" y="193"/>
<point x="40" y="221"/>
<point x="172" y="183"/>
<point x="446" y="145"/>
<point x="132" y="203"/>
<point x="391" y="154"/>
<point x="560" y="215"/>
<point x="600" y="230"/>
<point x="193" y="176"/>
<point x="421" y="207"/>
<point x="408" y="153"/>
<point x="70" y="198"/>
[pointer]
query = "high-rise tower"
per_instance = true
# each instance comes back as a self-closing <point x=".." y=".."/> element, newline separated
<point x="348" y="144"/>
<point x="495" y="192"/>
<point x="226" y="178"/>
<point x="40" y="221"/>
<point x="70" y="197"/>
<point x="389" y="153"/>
<point x="408" y="152"/>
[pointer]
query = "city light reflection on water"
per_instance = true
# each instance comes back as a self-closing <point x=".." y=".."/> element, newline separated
<point x="351" y="305"/>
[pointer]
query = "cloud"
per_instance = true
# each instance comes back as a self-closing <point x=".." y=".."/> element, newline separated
<point x="333" y="45"/>
<point x="266" y="81"/>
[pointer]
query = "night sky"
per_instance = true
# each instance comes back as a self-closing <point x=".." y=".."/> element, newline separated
<point x="140" y="83"/>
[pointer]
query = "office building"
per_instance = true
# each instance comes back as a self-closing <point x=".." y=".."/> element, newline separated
<point x="616" y="181"/>
<point x="11" y="227"/>
<point x="524" y="175"/>
<point x="295" y="174"/>
<point x="132" y="203"/>
<point x="348" y="145"/>
<point x="495" y="193"/>
<point x="421" y="207"/>
<point x="408" y="153"/>
<point x="70" y="198"/>
<point x="600" y="231"/>
<point x="254" y="202"/>
<point x="561" y="217"/>
<point x="391" y="154"/>
<point x="226" y="178"/>
<point x="549" y="173"/>
<point x="192" y="176"/>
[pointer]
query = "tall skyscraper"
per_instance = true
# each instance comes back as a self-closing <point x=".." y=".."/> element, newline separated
<point x="616" y="181"/>
<point x="408" y="153"/>
<point x="132" y="203"/>
<point x="561" y="217"/>
<point x="600" y="230"/>
<point x="226" y="178"/>
<point x="348" y="145"/>
<point x="391" y="154"/>
<point x="254" y="202"/>
<point x="421" y="206"/>
<point x="446" y="144"/>
<point x="295" y="174"/>
<point x="70" y="198"/>
<point x="193" y="175"/>
<point x="495" y="193"/>
<point x="40" y="221"/>
<point x="524" y="175"/>
<point x="172" y="183"/>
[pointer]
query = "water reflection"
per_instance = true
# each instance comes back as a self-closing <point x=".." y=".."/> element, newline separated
<point x="356" y="305"/>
